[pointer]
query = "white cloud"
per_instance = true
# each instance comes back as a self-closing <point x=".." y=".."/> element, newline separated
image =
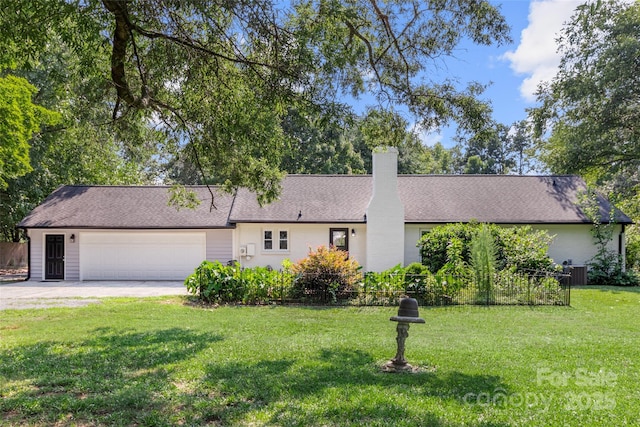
<point x="427" y="137"/>
<point x="536" y="56"/>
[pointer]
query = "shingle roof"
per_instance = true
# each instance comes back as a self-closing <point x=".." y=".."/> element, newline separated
<point x="126" y="207"/>
<point x="502" y="199"/>
<point x="505" y="199"/>
<point x="320" y="198"/>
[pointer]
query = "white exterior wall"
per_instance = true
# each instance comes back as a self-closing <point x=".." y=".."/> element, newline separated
<point x="219" y="246"/>
<point x="413" y="232"/>
<point x="571" y="241"/>
<point x="385" y="214"/>
<point x="71" y="264"/>
<point x="302" y="237"/>
<point x="575" y="242"/>
<point x="36" y="260"/>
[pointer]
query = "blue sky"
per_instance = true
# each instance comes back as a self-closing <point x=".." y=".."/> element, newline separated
<point x="514" y="69"/>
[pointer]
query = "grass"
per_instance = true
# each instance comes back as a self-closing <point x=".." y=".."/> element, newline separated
<point x="160" y="361"/>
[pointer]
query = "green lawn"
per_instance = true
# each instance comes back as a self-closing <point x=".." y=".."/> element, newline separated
<point x="163" y="362"/>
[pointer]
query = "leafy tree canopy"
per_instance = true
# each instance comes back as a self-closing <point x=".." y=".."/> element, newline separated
<point x="217" y="77"/>
<point x="590" y="109"/>
<point x="320" y="143"/>
<point x="496" y="149"/>
<point x="20" y="118"/>
<point x="84" y="146"/>
<point x="589" y="119"/>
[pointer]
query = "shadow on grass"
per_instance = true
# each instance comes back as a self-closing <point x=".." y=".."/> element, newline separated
<point x="112" y="377"/>
<point x="116" y="377"/>
<point x="337" y="387"/>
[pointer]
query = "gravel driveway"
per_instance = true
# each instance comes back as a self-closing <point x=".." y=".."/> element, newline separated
<point x="33" y="294"/>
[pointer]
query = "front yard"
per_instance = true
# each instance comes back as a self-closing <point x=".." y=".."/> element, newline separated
<point x="162" y="361"/>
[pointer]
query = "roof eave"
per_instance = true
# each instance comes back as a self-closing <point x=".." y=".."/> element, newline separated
<point x="269" y="221"/>
<point x="105" y="227"/>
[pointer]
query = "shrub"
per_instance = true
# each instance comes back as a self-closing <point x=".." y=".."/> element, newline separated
<point x="439" y="244"/>
<point x="524" y="248"/>
<point x="427" y="288"/>
<point x="605" y="269"/>
<point x="633" y="248"/>
<point x="262" y="284"/>
<point x="326" y="273"/>
<point x="215" y="282"/>
<point x="521" y="248"/>
<point x="415" y="280"/>
<point x="384" y="288"/>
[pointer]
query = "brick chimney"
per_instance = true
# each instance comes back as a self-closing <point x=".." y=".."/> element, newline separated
<point x="385" y="213"/>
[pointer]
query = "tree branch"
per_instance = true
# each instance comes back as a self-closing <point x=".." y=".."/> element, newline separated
<point x="121" y="36"/>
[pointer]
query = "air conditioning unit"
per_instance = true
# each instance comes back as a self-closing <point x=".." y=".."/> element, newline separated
<point x="243" y="251"/>
<point x="251" y="249"/>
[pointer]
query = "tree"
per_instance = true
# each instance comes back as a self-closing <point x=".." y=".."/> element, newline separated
<point x="606" y="267"/>
<point x="589" y="120"/>
<point x="84" y="146"/>
<point x="20" y="119"/>
<point x="319" y="143"/>
<point x="388" y="128"/>
<point x="221" y="75"/>
<point x="475" y="166"/>
<point x="590" y="108"/>
<point x="60" y="161"/>
<point x="442" y="160"/>
<point x="488" y="151"/>
<point x="496" y="149"/>
<point x="522" y="148"/>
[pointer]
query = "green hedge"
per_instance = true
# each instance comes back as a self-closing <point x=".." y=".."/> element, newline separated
<point x="517" y="248"/>
<point x="214" y="282"/>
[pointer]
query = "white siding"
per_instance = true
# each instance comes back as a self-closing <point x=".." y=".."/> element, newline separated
<point x="36" y="269"/>
<point x="412" y="235"/>
<point x="571" y="242"/>
<point x="72" y="256"/>
<point x="575" y="242"/>
<point x="302" y="237"/>
<point x="220" y="245"/>
<point x="71" y="259"/>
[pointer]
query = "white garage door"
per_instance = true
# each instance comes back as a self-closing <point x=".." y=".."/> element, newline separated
<point x="140" y="255"/>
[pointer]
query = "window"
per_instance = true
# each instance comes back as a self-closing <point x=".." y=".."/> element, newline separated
<point x="284" y="240"/>
<point x="275" y="240"/>
<point x="339" y="237"/>
<point x="268" y="240"/>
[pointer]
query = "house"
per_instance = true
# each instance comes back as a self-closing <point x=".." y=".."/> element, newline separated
<point x="132" y="233"/>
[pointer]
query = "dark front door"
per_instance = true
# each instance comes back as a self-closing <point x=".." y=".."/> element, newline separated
<point x="54" y="254"/>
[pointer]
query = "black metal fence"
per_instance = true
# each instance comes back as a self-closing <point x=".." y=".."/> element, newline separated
<point x="533" y="288"/>
<point x="380" y="289"/>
